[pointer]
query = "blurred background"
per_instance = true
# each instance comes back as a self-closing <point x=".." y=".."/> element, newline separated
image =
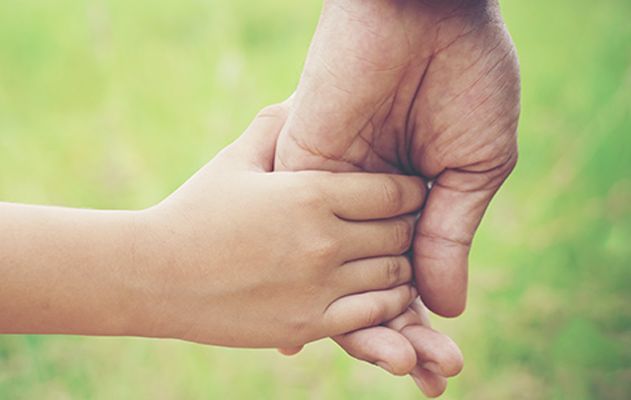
<point x="113" y="104"/>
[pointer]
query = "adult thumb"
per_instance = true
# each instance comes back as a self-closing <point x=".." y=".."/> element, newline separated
<point x="455" y="206"/>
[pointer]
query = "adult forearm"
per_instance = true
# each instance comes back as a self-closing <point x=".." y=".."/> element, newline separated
<point x="69" y="271"/>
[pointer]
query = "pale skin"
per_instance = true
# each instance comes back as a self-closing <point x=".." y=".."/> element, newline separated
<point x="238" y="256"/>
<point x="419" y="87"/>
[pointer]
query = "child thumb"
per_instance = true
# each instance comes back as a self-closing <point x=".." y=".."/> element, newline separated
<point x="256" y="147"/>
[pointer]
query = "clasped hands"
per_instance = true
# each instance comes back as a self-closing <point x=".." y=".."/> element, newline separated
<point x="414" y="87"/>
<point x="412" y="104"/>
<point x="333" y="215"/>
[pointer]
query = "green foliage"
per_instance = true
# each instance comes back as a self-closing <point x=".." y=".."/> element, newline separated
<point x="110" y="103"/>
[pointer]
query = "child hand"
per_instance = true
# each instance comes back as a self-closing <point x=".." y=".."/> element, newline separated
<point x="259" y="259"/>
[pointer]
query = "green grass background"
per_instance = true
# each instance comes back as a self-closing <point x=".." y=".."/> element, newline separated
<point x="115" y="103"/>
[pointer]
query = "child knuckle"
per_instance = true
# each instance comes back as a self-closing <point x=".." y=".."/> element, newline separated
<point x="374" y="314"/>
<point x="392" y="194"/>
<point x="402" y="236"/>
<point x="394" y="271"/>
<point x="299" y="325"/>
<point x="309" y="196"/>
<point x="324" y="248"/>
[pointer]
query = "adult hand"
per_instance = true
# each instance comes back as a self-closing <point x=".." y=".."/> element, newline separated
<point x="420" y="87"/>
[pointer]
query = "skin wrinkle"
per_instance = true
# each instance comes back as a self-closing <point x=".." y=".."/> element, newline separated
<point x="465" y="90"/>
<point x="304" y="146"/>
<point x="329" y="70"/>
<point x="460" y="36"/>
<point x="451" y="241"/>
<point x="316" y="153"/>
<point x="453" y="188"/>
<point x="357" y="164"/>
<point x="367" y="142"/>
<point x="375" y="136"/>
<point x="397" y="163"/>
<point x="491" y="144"/>
<point x="379" y="69"/>
<point x="454" y="141"/>
<point x="466" y="9"/>
<point x="333" y="75"/>
<point x="497" y="170"/>
<point x="393" y="99"/>
<point x="478" y="16"/>
<point x="493" y="160"/>
<point x="407" y="130"/>
<point x="454" y="127"/>
<point x="394" y="131"/>
<point x="406" y="164"/>
<point x="409" y="120"/>
<point x="480" y="103"/>
<point x="352" y="16"/>
<point x="477" y="28"/>
<point x="379" y="105"/>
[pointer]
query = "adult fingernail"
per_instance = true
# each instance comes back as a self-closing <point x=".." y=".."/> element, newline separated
<point x="433" y="367"/>
<point x="384" y="365"/>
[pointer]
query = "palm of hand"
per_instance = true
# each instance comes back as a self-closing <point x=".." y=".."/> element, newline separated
<point x="417" y="88"/>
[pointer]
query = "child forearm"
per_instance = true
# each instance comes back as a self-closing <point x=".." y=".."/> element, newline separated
<point x="69" y="271"/>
